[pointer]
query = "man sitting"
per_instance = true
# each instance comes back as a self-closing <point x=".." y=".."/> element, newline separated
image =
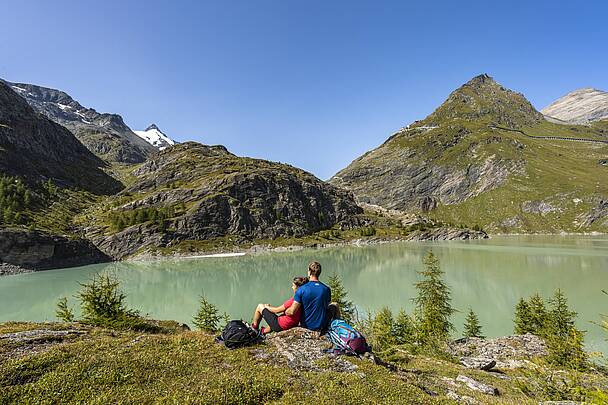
<point x="313" y="297"/>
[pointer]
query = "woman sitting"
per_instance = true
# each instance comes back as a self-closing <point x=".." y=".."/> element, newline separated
<point x="270" y="314"/>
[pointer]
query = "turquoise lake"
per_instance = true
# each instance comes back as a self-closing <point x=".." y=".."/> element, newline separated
<point x="488" y="276"/>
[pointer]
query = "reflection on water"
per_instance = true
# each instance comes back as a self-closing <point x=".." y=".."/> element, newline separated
<point x="490" y="276"/>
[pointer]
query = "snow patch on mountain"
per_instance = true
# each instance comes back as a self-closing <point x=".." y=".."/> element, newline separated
<point x="155" y="137"/>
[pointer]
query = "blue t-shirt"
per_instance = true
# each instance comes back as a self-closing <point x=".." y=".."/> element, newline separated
<point x="314" y="297"/>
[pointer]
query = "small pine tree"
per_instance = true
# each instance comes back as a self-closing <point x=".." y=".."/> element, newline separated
<point x="433" y="303"/>
<point x="339" y="296"/>
<point x="403" y="328"/>
<point x="207" y="318"/>
<point x="472" y="328"/>
<point x="64" y="312"/>
<point x="538" y="315"/>
<point x="103" y="303"/>
<point x="523" y="318"/>
<point x="564" y="341"/>
<point x="382" y="327"/>
<point x="560" y="318"/>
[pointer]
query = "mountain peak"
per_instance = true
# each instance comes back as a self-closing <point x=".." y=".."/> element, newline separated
<point x="151" y="127"/>
<point x="482" y="98"/>
<point x="482" y="78"/>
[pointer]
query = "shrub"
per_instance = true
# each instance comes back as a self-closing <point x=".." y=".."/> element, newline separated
<point x="339" y="296"/>
<point x="367" y="231"/>
<point x="207" y="318"/>
<point x="64" y="312"/>
<point x="433" y="304"/>
<point x="472" y="328"/>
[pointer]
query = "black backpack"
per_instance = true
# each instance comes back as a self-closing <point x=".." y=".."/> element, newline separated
<point x="237" y="334"/>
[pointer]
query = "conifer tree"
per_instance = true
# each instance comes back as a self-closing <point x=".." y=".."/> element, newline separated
<point x="403" y="328"/>
<point x="560" y="319"/>
<point x="64" y="312"/>
<point x="207" y="318"/>
<point x="472" y="328"/>
<point x="382" y="329"/>
<point x="538" y="315"/>
<point x="339" y="296"/>
<point x="523" y="318"/>
<point x="564" y="341"/>
<point x="433" y="303"/>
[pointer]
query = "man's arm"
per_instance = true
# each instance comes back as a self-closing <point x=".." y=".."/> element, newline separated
<point x="293" y="308"/>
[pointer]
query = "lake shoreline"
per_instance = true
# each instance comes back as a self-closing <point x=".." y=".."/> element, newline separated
<point x="438" y="234"/>
<point x="7" y="269"/>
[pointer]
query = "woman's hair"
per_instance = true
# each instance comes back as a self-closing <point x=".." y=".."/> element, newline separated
<point x="300" y="281"/>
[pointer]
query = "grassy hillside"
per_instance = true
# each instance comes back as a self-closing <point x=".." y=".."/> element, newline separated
<point x="483" y="158"/>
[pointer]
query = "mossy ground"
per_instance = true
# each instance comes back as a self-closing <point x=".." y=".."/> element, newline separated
<point x="106" y="366"/>
<point x="111" y="367"/>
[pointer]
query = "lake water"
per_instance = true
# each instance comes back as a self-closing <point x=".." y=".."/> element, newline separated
<point x="489" y="276"/>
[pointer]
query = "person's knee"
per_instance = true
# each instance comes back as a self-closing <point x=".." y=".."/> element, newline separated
<point x="260" y="308"/>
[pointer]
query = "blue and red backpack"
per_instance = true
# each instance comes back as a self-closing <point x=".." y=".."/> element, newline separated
<point x="346" y="339"/>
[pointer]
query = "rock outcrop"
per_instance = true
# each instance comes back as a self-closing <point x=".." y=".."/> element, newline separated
<point x="446" y="233"/>
<point x="106" y="135"/>
<point x="36" y="250"/>
<point x="213" y="193"/>
<point x="507" y="352"/>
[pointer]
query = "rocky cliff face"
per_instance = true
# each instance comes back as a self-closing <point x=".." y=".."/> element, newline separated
<point x="106" y="135"/>
<point x="35" y="250"/>
<point x="579" y="107"/>
<point x="481" y="158"/>
<point x="37" y="149"/>
<point x="211" y="193"/>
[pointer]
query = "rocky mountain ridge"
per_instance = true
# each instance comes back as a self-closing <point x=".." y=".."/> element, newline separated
<point x="106" y="135"/>
<point x="581" y="106"/>
<point x="36" y="149"/>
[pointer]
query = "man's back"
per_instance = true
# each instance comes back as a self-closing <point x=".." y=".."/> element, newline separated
<point x="314" y="297"/>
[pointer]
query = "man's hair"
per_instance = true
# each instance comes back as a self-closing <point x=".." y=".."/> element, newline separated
<point x="314" y="269"/>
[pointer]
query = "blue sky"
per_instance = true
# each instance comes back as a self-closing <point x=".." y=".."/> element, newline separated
<point x="311" y="83"/>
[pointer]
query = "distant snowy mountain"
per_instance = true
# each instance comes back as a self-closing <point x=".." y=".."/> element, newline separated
<point x="155" y="137"/>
